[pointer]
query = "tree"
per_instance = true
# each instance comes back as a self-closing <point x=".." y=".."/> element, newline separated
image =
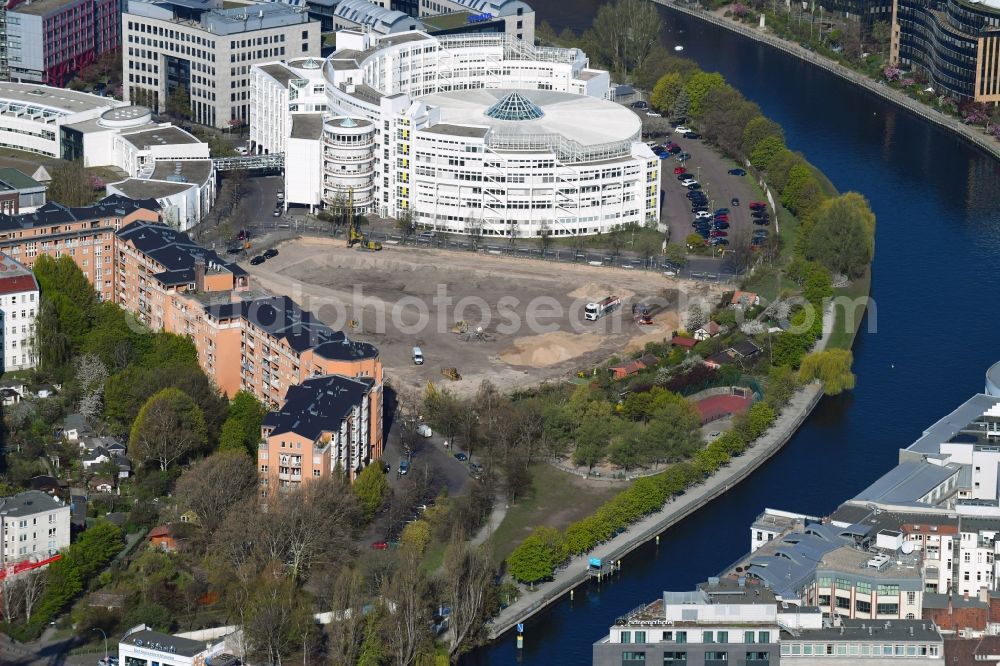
<point x="416" y="535"/>
<point x="780" y="167"/>
<point x="676" y="254"/>
<point x="765" y="151"/>
<point x="696" y="317"/>
<point x="179" y="103"/>
<point x="241" y="429"/>
<point x="276" y="620"/>
<point x="665" y="92"/>
<point x="842" y="238"/>
<point x="624" y="34"/>
<point x="682" y="105"/>
<point x="697" y="88"/>
<point x="832" y="367"/>
<point x="757" y="130"/>
<point x="91" y="374"/>
<point x="803" y="193"/>
<point x="469" y="588"/>
<point x="537" y="556"/>
<point x="71" y="185"/>
<point x="169" y="427"/>
<point x="347" y="634"/>
<point x="212" y="487"/>
<point x="153" y="615"/>
<point x="407" y="621"/>
<point x="370" y="489"/>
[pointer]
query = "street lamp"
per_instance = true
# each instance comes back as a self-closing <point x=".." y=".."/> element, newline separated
<point x="105" y="642"/>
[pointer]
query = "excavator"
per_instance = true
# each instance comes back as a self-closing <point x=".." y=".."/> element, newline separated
<point x="354" y="235"/>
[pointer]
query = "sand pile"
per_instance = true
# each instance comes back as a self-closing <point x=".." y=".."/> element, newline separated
<point x="595" y="291"/>
<point x="540" y="351"/>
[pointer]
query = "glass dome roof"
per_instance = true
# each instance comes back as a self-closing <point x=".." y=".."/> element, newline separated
<point x="514" y="106"/>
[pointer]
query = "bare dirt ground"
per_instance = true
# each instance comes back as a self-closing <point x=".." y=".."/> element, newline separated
<point x="524" y="318"/>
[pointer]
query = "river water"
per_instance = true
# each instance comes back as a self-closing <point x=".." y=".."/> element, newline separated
<point x="935" y="275"/>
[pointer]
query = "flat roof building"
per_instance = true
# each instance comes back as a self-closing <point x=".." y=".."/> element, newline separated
<point x="19" y="192"/>
<point x="207" y="51"/>
<point x="33" y="525"/>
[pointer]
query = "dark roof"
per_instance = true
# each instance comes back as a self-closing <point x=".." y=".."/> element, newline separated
<point x="307" y="125"/>
<point x="866" y="630"/>
<point x="284" y="319"/>
<point x="939" y="601"/>
<point x="317" y="405"/>
<point x="18" y="180"/>
<point x="53" y="213"/>
<point x="746" y="348"/>
<point x="175" y="251"/>
<point x="28" y="503"/>
<point x="154" y="640"/>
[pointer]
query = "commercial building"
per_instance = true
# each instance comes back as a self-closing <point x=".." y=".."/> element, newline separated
<point x="85" y="234"/>
<point x="19" y="193"/>
<point x="141" y="646"/>
<point x="19" y="299"/>
<point x="518" y="16"/>
<point x="33" y="525"/>
<point x="208" y="51"/>
<point x="954" y="42"/>
<point x="48" y="41"/>
<point x="324" y="427"/>
<point x="478" y="134"/>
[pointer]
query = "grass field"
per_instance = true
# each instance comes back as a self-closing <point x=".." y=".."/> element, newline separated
<point x="844" y="331"/>
<point x="557" y="499"/>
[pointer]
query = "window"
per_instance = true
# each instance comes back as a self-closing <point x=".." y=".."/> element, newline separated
<point x="626" y="637"/>
<point x="843" y="584"/>
<point x="757" y="657"/>
<point x="888" y="590"/>
<point x="633" y="658"/>
<point x="675" y="659"/>
<point x="888" y="609"/>
<point x="708" y="637"/>
<point x="682" y="637"/>
<point x="764" y="637"/>
<point x="863" y="606"/>
<point x="844" y="602"/>
<point x="864" y="588"/>
<point x="911" y="597"/>
<point x="722" y="637"/>
<point x="716" y="657"/>
<point x="748" y="637"/>
<point x="640" y="637"/>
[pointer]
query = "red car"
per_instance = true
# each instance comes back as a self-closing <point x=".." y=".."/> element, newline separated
<point x="721" y="218"/>
<point x="757" y="205"/>
<point x="680" y="170"/>
<point x="380" y="545"/>
<point x="717" y="234"/>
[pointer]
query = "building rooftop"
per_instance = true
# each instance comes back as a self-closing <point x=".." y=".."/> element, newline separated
<point x="183" y="171"/>
<point x="14" y="179"/>
<point x="907" y="483"/>
<point x="378" y="19"/>
<point x="940" y="601"/>
<point x="588" y="121"/>
<point x="307" y="126"/>
<point x="28" y="503"/>
<point x="175" y="251"/>
<point x="279" y="73"/>
<point x="465" y="131"/>
<point x="848" y="559"/>
<point x="155" y="640"/>
<point x="56" y="99"/>
<point x="160" y="136"/>
<point x="41" y="7"/>
<point x="15" y="277"/>
<point x="137" y="188"/>
<point x="53" y="213"/>
<point x="317" y="405"/>
<point x="948" y="426"/>
<point x="855" y="631"/>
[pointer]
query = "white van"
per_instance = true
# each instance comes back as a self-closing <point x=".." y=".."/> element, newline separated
<point x="418" y="356"/>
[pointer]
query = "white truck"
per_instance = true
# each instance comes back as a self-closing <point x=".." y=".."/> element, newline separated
<point x="595" y="311"/>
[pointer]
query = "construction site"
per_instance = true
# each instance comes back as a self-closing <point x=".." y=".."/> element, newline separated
<point x="475" y="316"/>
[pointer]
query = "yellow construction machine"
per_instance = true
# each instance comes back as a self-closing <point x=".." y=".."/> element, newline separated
<point x="354" y="235"/>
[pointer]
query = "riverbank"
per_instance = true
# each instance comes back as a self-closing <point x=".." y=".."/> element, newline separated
<point x="975" y="136"/>
<point x="675" y="510"/>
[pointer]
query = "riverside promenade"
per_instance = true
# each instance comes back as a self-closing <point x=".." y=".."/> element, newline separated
<point x="739" y="468"/>
<point x="974" y="135"/>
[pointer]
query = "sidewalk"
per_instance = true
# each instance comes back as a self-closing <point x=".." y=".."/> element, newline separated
<point x="531" y="602"/>
<point x="499" y="512"/>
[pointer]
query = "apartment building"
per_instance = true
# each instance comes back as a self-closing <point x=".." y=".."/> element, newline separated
<point x="32" y="525"/>
<point x="323" y="428"/>
<point x="86" y="234"/>
<point x="48" y="41"/>
<point x="18" y="312"/>
<point x="208" y="51"/>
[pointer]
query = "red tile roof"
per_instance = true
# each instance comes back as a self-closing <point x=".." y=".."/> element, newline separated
<point x="17" y="284"/>
<point x="681" y="341"/>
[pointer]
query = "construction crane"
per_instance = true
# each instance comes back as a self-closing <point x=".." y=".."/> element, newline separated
<point x="354" y="235"/>
<point x="25" y="565"/>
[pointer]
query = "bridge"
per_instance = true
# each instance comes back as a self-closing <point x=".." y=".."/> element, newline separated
<point x="273" y="162"/>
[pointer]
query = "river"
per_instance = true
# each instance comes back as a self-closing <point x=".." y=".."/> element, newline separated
<point x="937" y="252"/>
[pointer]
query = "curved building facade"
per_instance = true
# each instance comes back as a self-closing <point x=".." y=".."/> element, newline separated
<point x="955" y="42"/>
<point x="480" y="134"/>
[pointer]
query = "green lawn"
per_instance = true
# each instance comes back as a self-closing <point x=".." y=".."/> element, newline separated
<point x="557" y="499"/>
<point x="842" y="336"/>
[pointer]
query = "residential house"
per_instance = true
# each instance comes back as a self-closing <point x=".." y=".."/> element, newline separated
<point x="101" y="484"/>
<point x="323" y="425"/>
<point x="683" y="341"/>
<point x="47" y="484"/>
<point x="163" y="537"/>
<point x="124" y="466"/>
<point x="32" y="524"/>
<point x="957" y="614"/>
<point x="19" y="299"/>
<point x="10" y="396"/>
<point x="742" y="300"/>
<point x="190" y="517"/>
<point x="73" y="427"/>
<point x="708" y="330"/>
<point x="739" y="354"/>
<point x="983" y="651"/>
<point x="95" y="457"/>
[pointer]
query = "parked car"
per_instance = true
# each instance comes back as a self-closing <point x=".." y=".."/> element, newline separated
<point x="704" y="215"/>
<point x="683" y="157"/>
<point x="276" y="213"/>
<point x="715" y="233"/>
<point x="257" y="261"/>
<point x="737" y="172"/>
<point x="760" y="233"/>
<point x="461" y="457"/>
<point x="679" y="170"/>
<point x="424" y="430"/>
<point x="242" y="151"/>
<point x="718" y="241"/>
<point x="758" y="205"/>
<point x="734" y="202"/>
<point x="641" y="104"/>
<point x="688" y="181"/>
<point x="694" y="186"/>
<point x="684" y="175"/>
<point x="692" y="135"/>
<point x="718" y="224"/>
<point x="380" y="545"/>
<point x="235" y="249"/>
<point x="270" y="254"/>
<point x="653" y="114"/>
<point x="673" y="151"/>
<point x="680" y="129"/>
<point x="722" y="211"/>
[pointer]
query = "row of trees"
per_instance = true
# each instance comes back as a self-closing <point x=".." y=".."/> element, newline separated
<point x="536" y="558"/>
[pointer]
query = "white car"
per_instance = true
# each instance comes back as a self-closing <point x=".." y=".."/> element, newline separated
<point x="653" y="114"/>
<point x="424" y="430"/>
<point x="687" y="182"/>
<point x="682" y="130"/>
<point x="703" y="215"/>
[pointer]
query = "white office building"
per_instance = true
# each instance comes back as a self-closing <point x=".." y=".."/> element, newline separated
<point x="518" y="16"/>
<point x="208" y="51"/>
<point x="33" y="525"/>
<point x="478" y="134"/>
<point x="19" y="299"/>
